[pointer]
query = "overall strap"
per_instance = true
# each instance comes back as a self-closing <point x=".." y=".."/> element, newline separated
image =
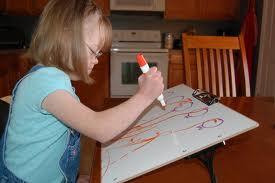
<point x="33" y="69"/>
<point x="11" y="177"/>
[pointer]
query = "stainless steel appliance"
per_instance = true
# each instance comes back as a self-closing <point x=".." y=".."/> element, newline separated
<point x="124" y="71"/>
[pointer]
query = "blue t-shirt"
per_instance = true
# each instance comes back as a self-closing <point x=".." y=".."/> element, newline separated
<point x="36" y="139"/>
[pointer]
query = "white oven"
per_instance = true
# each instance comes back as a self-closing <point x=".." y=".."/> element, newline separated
<point x="124" y="70"/>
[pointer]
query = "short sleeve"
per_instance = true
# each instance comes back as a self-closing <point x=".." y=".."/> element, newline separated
<point x="43" y="82"/>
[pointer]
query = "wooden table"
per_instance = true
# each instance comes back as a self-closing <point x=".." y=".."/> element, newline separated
<point x="249" y="157"/>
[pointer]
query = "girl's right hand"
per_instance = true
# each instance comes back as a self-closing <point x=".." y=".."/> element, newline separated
<point x="150" y="84"/>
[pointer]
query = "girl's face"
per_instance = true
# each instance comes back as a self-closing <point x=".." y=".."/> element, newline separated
<point x="92" y="41"/>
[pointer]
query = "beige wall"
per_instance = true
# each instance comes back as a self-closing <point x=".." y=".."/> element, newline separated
<point x="265" y="84"/>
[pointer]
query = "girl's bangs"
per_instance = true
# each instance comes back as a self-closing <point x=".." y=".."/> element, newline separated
<point x="105" y="29"/>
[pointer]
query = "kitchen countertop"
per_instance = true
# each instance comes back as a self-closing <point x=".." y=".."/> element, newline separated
<point x="12" y="51"/>
<point x="6" y="99"/>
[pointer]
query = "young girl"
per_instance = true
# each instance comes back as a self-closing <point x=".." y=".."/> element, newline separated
<point x="41" y="140"/>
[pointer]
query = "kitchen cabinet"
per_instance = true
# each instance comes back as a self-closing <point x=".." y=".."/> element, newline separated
<point x="94" y="95"/>
<point x="35" y="7"/>
<point x="176" y="70"/>
<point x="176" y="74"/>
<point x="105" y="5"/>
<point x="202" y="9"/>
<point x="24" y="7"/>
<point x="12" y="67"/>
<point x="16" y="7"/>
<point x="2" y="5"/>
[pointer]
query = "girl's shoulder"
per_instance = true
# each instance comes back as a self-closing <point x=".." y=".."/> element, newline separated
<point x="47" y="77"/>
<point x="49" y="71"/>
<point x="49" y="74"/>
<point x="40" y="83"/>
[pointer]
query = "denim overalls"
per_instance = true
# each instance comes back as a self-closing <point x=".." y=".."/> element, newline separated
<point x="69" y="162"/>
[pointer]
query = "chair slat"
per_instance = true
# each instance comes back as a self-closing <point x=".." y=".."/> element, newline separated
<point x="245" y="67"/>
<point x="187" y="63"/>
<point x="206" y="72"/>
<point x="232" y="69"/>
<point x="213" y="72"/>
<point x="219" y="65"/>
<point x="199" y="67"/>
<point x="226" y="74"/>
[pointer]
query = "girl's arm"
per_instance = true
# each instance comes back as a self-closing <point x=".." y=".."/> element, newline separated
<point x="104" y="126"/>
<point x="101" y="126"/>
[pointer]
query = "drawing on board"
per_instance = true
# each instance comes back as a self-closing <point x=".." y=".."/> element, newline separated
<point x="184" y="120"/>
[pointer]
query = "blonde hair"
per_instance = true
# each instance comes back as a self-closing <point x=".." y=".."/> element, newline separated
<point x="58" y="38"/>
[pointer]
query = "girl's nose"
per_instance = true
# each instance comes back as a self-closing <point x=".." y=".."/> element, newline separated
<point x="95" y="60"/>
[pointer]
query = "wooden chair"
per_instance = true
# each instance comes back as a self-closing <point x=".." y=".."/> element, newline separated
<point x="211" y="61"/>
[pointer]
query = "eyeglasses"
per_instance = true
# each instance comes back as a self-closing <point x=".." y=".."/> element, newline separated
<point x="95" y="54"/>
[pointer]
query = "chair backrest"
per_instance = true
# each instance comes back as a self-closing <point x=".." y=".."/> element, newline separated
<point x="211" y="61"/>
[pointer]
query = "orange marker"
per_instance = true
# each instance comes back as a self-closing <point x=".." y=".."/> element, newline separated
<point x="145" y="68"/>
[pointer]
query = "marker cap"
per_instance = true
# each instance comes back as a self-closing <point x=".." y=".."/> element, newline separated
<point x="141" y="60"/>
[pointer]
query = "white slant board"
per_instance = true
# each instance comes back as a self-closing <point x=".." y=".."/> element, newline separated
<point x="160" y="137"/>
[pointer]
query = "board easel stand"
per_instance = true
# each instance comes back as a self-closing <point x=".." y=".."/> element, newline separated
<point x="206" y="156"/>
